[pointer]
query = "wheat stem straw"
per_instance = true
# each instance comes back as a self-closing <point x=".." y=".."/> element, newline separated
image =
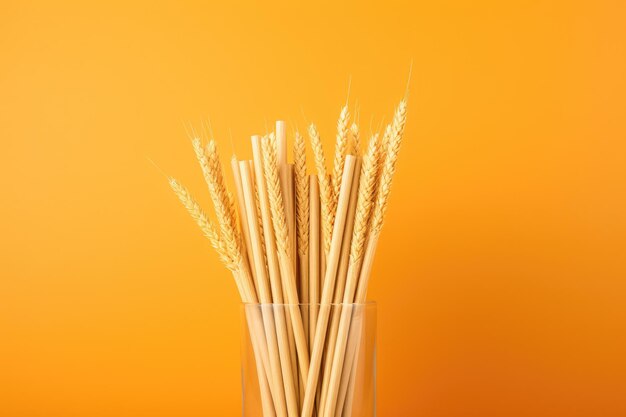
<point x="301" y="228"/>
<point x="265" y="296"/>
<point x="340" y="283"/>
<point x="287" y="368"/>
<point x="286" y="186"/>
<point x="302" y="224"/>
<point x="285" y="176"/>
<point x="293" y="352"/>
<point x="290" y="331"/>
<point x="314" y="255"/>
<point x="291" y="207"/>
<point x="270" y="400"/>
<point x="274" y="372"/>
<point x="327" y="291"/>
<point x="365" y="200"/>
<point x="258" y="213"/>
<point x="245" y="228"/>
<point x="348" y="376"/>
<point x="280" y="139"/>
<point x="263" y="374"/>
<point x="390" y="148"/>
<point x="282" y="243"/>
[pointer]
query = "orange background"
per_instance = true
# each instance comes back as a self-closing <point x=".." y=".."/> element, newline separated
<point x="501" y="273"/>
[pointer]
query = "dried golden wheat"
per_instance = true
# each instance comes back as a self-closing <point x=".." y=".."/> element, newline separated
<point x="302" y="195"/>
<point x="222" y="201"/>
<point x="279" y="221"/>
<point x="341" y="147"/>
<point x="204" y="223"/>
<point x="326" y="193"/>
<point x="365" y="200"/>
<point x="390" y="150"/>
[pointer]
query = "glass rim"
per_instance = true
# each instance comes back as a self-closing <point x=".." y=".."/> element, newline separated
<point x="368" y="303"/>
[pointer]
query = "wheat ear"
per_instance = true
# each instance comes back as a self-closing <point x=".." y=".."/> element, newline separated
<point x="365" y="201"/>
<point x="355" y="142"/>
<point x="326" y="193"/>
<point x="279" y="220"/>
<point x="223" y="201"/>
<point x="341" y="147"/>
<point x="390" y="150"/>
<point x="207" y="228"/>
<point x="386" y="136"/>
<point x="302" y="195"/>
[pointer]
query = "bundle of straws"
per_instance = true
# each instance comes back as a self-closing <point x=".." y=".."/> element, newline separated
<point x="292" y="238"/>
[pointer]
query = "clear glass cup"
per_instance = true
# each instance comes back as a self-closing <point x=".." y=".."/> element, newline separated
<point x="347" y="371"/>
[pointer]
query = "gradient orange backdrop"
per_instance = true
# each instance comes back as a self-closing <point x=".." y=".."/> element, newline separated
<point x="505" y="247"/>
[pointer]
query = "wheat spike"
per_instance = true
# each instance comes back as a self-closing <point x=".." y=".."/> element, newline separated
<point x="212" y="172"/>
<point x="326" y="194"/>
<point x="232" y="211"/>
<point x="260" y="222"/>
<point x="207" y="228"/>
<point x="279" y="220"/>
<point x="390" y="150"/>
<point x="365" y="200"/>
<point x="355" y="142"/>
<point x="341" y="147"/>
<point x="202" y="159"/>
<point x="386" y="136"/>
<point x="302" y="195"/>
<point x="223" y="201"/>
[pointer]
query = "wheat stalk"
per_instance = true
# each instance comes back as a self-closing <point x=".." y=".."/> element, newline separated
<point x="326" y="194"/>
<point x="302" y="195"/>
